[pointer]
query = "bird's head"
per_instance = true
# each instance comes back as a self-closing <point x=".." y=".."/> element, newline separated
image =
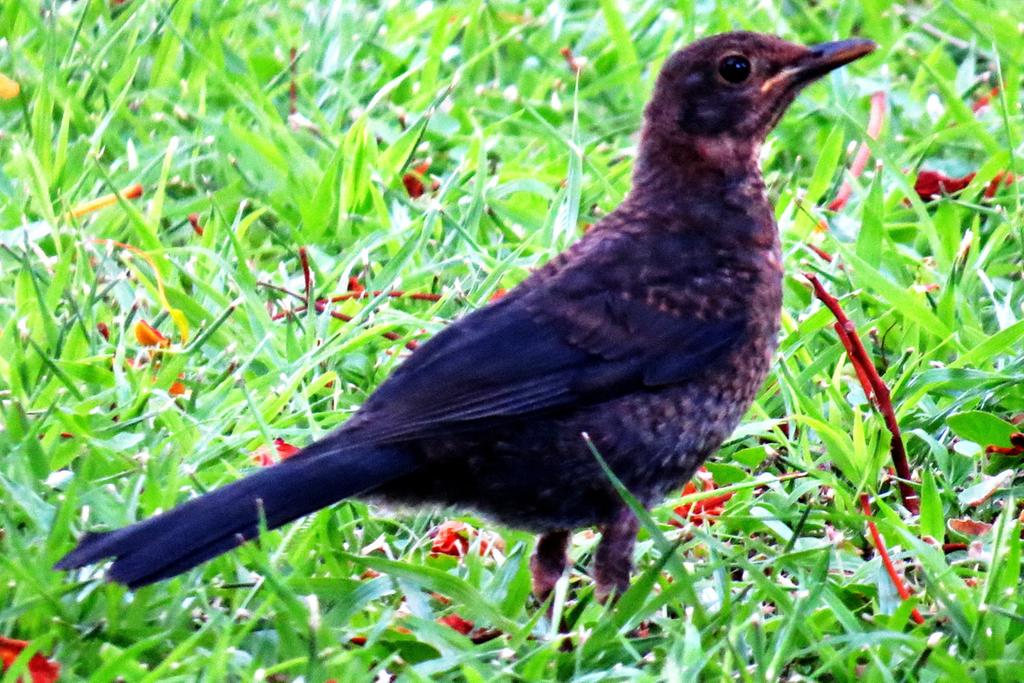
<point x="720" y="96"/>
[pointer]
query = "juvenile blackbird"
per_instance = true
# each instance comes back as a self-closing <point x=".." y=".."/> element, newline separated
<point x="651" y="334"/>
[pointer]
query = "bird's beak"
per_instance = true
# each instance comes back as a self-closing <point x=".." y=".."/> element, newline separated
<point x="819" y="60"/>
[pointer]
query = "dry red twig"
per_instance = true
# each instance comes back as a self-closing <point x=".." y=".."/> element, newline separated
<point x="338" y="315"/>
<point x="883" y="552"/>
<point x="875" y="120"/>
<point x="875" y="389"/>
<point x="369" y="294"/>
<point x="321" y="304"/>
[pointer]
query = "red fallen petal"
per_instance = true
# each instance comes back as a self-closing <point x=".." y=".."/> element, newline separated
<point x="932" y="184"/>
<point x="969" y="527"/>
<point x="715" y="501"/>
<point x="284" y="449"/>
<point x="451" y="538"/>
<point x="177" y="389"/>
<point x="984" y="100"/>
<point x="263" y="457"/>
<point x="463" y="626"/>
<point x="41" y="669"/>
<point x="67" y="435"/>
<point x="498" y="293"/>
<point x="702" y="510"/>
<point x="413" y="181"/>
<point x="354" y="285"/>
<point x="103" y="330"/>
<point x="1001" y="178"/>
<point x="147" y="335"/>
<point x="193" y="220"/>
<point x="454" y="538"/>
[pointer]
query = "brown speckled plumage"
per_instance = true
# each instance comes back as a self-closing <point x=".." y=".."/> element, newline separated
<point x="651" y="334"/>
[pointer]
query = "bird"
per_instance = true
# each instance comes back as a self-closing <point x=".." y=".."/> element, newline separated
<point x="646" y="341"/>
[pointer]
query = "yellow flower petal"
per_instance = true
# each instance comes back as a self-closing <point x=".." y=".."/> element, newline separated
<point x="8" y="89"/>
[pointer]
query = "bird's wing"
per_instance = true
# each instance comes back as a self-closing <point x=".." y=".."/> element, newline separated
<point x="578" y="338"/>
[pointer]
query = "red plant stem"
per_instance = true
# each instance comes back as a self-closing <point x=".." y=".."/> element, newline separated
<point x="848" y="344"/>
<point x="822" y="254"/>
<point x="307" y="275"/>
<point x="395" y="294"/>
<point x="412" y="345"/>
<point x="883" y="552"/>
<point x="860" y="160"/>
<point x="874" y="387"/>
<point x="1016" y="446"/>
<point x="293" y="94"/>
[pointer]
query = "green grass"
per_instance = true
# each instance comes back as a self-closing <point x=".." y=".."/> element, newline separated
<point x="190" y="99"/>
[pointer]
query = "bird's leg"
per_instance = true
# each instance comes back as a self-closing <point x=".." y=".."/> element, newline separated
<point x="614" y="558"/>
<point x="549" y="562"/>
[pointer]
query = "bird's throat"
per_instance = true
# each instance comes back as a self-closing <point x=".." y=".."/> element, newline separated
<point x="708" y="184"/>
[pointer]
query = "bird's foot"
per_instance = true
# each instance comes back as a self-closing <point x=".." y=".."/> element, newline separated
<point x="549" y="562"/>
<point x="613" y="561"/>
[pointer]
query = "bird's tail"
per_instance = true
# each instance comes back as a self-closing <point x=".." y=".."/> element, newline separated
<point x="204" y="527"/>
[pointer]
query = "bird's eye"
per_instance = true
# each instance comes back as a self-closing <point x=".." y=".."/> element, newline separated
<point x="734" y="68"/>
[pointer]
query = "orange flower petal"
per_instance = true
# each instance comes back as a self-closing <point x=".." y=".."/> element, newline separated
<point x="147" y="335"/>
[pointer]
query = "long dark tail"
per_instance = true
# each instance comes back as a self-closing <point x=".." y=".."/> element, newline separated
<point x="205" y="527"/>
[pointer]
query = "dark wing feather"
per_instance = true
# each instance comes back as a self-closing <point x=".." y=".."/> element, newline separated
<point x="564" y="343"/>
